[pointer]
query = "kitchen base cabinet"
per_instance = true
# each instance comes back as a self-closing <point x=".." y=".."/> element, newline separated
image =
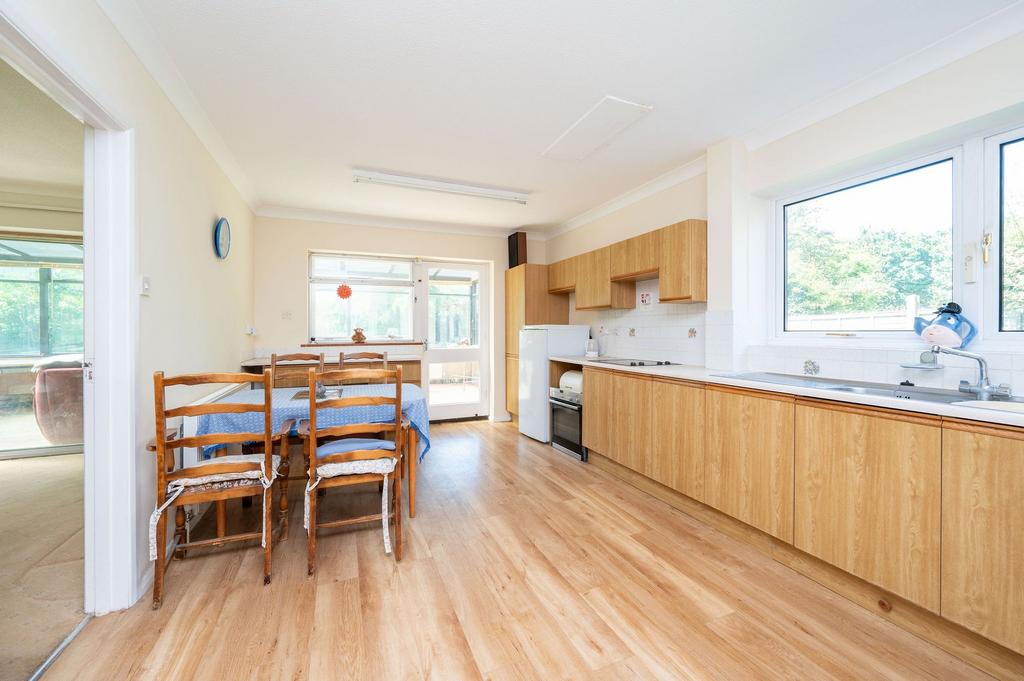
<point x="677" y="437"/>
<point x="749" y="458"/>
<point x="512" y="384"/>
<point x="598" y="396"/>
<point x="617" y="417"/>
<point x="868" y="494"/>
<point x="983" y="530"/>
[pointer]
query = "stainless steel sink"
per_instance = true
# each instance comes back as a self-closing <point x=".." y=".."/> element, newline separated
<point x="903" y="392"/>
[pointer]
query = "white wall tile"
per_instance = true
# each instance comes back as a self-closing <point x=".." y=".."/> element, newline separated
<point x="661" y="329"/>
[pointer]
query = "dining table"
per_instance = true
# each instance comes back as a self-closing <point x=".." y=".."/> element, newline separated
<point x="293" y="403"/>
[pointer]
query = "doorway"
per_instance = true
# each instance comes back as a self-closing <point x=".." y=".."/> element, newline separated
<point x="455" y="359"/>
<point x="42" y="397"/>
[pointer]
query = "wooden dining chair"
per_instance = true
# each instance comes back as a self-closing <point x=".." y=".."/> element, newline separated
<point x="215" y="480"/>
<point x="339" y="458"/>
<point x="286" y="375"/>
<point x="375" y="359"/>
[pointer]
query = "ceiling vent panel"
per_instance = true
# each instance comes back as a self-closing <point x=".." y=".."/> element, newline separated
<point x="596" y="128"/>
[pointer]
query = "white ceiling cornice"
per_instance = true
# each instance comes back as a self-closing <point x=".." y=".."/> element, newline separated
<point x="140" y="36"/>
<point x="968" y="40"/>
<point x="690" y="169"/>
<point x="383" y="222"/>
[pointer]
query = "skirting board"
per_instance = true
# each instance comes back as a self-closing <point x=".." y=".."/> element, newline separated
<point x="974" y="649"/>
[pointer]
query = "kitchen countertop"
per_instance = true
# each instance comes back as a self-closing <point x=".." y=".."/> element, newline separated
<point x="686" y="372"/>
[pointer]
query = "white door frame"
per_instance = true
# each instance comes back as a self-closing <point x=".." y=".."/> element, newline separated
<point x="111" y="314"/>
<point x="481" y="353"/>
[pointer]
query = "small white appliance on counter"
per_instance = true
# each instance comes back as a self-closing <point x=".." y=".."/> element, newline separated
<point x="537" y="344"/>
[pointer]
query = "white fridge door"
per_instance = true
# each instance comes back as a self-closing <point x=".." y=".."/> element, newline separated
<point x="534" y="410"/>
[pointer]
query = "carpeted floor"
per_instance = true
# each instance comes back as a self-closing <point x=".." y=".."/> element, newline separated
<point x="41" y="558"/>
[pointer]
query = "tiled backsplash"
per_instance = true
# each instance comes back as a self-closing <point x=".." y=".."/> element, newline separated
<point x="653" y="330"/>
<point x="883" y="365"/>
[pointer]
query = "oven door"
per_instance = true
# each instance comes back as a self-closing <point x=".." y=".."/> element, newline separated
<point x="567" y="427"/>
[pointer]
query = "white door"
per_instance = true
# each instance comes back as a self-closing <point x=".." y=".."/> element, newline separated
<point x="455" y="367"/>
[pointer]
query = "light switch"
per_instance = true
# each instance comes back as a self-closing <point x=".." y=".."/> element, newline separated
<point x="286" y="315"/>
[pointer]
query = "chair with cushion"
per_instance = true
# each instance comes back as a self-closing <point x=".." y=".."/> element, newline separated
<point x="354" y="454"/>
<point x="215" y="480"/>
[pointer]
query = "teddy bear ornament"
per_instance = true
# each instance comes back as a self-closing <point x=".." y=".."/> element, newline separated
<point x="949" y="328"/>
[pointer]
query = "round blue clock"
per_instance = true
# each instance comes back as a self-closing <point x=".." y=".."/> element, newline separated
<point x="222" y="238"/>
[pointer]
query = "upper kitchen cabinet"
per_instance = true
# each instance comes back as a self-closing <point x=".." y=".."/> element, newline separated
<point x="683" y="262"/>
<point x="562" y="276"/>
<point x="527" y="301"/>
<point x="867" y="495"/>
<point x="635" y="258"/>
<point x="594" y="286"/>
<point x="983" y="530"/>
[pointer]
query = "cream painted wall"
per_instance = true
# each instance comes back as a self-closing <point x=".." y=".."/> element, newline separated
<point x="967" y="94"/>
<point x="194" y="320"/>
<point x="283" y="245"/>
<point x="687" y="199"/>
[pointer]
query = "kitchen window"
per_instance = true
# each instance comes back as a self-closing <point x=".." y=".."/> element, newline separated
<point x="1011" y="235"/>
<point x="870" y="255"/>
<point x="380" y="300"/>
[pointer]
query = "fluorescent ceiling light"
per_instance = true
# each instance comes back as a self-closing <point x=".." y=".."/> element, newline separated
<point x="411" y="182"/>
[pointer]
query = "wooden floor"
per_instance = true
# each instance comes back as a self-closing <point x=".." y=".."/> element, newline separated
<point x="41" y="556"/>
<point x="521" y="564"/>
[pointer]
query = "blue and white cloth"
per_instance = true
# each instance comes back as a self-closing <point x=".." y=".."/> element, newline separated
<point x="285" y="406"/>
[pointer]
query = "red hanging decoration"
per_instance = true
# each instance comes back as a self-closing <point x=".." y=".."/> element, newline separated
<point x="344" y="291"/>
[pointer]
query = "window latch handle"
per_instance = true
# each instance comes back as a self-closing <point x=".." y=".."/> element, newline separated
<point x="986" y="243"/>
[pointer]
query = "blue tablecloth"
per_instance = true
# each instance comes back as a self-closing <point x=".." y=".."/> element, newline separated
<point x="414" y="408"/>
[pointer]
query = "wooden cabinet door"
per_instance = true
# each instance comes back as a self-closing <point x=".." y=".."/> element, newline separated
<point x="562" y="276"/>
<point x="983" y="530"/>
<point x="593" y="280"/>
<point x="677" y="437"/>
<point x="748" y="451"/>
<point x="515" y="307"/>
<point x="512" y="384"/>
<point x="683" y="262"/>
<point x="594" y="286"/>
<point x="541" y="307"/>
<point x="630" y="421"/>
<point x="598" y="396"/>
<point x="868" y="494"/>
<point x="635" y="258"/>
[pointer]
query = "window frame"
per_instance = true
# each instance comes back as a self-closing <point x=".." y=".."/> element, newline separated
<point x="337" y="281"/>
<point x="992" y="221"/>
<point x="777" y="332"/>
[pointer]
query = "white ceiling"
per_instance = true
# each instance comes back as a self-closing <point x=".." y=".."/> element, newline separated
<point x="302" y="92"/>
<point x="40" y="143"/>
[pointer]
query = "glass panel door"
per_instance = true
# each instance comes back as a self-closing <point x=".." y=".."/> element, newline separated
<point x="455" y="364"/>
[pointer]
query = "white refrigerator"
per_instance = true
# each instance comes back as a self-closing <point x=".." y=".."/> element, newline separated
<point x="536" y="345"/>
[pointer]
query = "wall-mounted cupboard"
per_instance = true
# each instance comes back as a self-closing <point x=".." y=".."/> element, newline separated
<point x="604" y="278"/>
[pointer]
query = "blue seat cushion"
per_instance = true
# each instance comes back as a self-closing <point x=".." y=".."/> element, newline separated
<point x="353" y="444"/>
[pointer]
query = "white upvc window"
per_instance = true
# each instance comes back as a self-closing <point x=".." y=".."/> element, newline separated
<point x="862" y="257"/>
<point x="1004" y="236"/>
<point x="382" y="299"/>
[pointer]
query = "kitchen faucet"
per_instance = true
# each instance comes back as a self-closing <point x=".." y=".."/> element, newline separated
<point x="984" y="390"/>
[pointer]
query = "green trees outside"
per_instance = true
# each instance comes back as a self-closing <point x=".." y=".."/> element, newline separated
<point x="873" y="272"/>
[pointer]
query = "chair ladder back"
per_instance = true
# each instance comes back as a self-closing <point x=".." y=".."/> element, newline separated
<point x="276" y="360"/>
<point x="375" y="357"/>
